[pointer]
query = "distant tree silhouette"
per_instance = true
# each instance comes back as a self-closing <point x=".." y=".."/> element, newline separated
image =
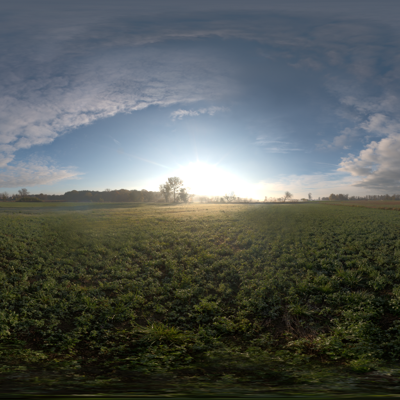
<point x="175" y="184"/>
<point x="287" y="196"/>
<point x="183" y="195"/>
<point x="23" y="192"/>
<point x="165" y="190"/>
<point x="230" y="197"/>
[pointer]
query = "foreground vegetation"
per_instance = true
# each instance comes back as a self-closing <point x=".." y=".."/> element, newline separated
<point x="199" y="298"/>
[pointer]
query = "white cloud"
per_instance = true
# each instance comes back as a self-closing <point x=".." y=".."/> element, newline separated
<point x="378" y="164"/>
<point x="34" y="173"/>
<point x="381" y="125"/>
<point x="179" y="114"/>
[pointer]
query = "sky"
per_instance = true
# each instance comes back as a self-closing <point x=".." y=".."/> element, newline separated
<point x="255" y="97"/>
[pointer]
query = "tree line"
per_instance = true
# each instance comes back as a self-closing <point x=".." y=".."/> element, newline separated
<point x="121" y="195"/>
<point x="344" y="197"/>
<point x="173" y="190"/>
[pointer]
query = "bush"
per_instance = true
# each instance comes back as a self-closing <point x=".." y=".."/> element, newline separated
<point x="29" y="199"/>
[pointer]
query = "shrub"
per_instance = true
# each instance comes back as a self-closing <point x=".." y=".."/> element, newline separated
<point x="29" y="199"/>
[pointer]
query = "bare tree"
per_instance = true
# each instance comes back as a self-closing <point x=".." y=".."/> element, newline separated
<point x="309" y="196"/>
<point x="287" y="196"/>
<point x="229" y="197"/>
<point x="4" y="195"/>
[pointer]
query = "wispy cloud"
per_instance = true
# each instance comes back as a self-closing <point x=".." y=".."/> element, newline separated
<point x="343" y="141"/>
<point x="34" y="173"/>
<point x="179" y="114"/>
<point x="276" y="146"/>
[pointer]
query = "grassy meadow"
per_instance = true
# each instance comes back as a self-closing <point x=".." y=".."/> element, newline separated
<point x="199" y="298"/>
<point x="378" y="204"/>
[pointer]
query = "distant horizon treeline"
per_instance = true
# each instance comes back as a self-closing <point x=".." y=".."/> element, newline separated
<point x="144" y="196"/>
<point x="121" y="195"/>
<point x="344" y="197"/>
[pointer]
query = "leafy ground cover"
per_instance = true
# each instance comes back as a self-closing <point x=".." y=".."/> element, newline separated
<point x="200" y="299"/>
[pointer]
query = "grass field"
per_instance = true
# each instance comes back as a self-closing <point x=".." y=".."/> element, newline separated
<point x="199" y="298"/>
<point x="379" y="204"/>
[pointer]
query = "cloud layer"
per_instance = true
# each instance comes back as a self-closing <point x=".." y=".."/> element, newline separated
<point x="66" y="66"/>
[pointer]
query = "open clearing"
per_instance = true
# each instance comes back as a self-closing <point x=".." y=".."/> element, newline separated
<point x="247" y="298"/>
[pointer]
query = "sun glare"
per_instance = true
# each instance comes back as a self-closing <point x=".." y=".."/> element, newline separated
<point x="207" y="179"/>
<point x="203" y="179"/>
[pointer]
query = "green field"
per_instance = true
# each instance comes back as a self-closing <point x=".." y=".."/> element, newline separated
<point x="379" y="204"/>
<point x="199" y="298"/>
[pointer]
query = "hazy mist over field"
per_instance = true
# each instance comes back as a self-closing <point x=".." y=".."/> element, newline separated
<point x="256" y="97"/>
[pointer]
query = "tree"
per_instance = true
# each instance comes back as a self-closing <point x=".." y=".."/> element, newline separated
<point x="287" y="196"/>
<point x="4" y="196"/>
<point x="175" y="184"/>
<point x="145" y="196"/>
<point x="23" y="192"/>
<point x="183" y="195"/>
<point x="309" y="196"/>
<point x="165" y="190"/>
<point x="230" y="197"/>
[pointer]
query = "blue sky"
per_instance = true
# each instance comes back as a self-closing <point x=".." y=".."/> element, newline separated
<point x="257" y="97"/>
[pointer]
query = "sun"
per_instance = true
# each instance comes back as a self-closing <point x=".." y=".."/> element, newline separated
<point x="207" y="179"/>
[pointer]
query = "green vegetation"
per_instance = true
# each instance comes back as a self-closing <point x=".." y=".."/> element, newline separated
<point x="28" y="199"/>
<point x="380" y="204"/>
<point x="207" y="298"/>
